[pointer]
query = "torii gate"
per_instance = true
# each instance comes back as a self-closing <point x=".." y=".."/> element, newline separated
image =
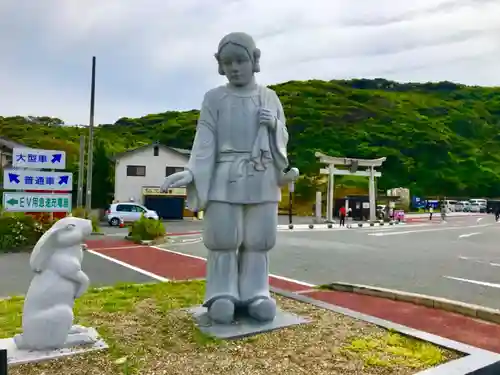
<point x="353" y="165"/>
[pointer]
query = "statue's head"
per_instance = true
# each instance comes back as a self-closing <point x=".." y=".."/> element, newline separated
<point x="238" y="58"/>
<point x="64" y="234"/>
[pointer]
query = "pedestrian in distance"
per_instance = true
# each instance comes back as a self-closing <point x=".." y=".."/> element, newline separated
<point x="497" y="213"/>
<point x="431" y="210"/>
<point x="443" y="213"/>
<point x="342" y="213"/>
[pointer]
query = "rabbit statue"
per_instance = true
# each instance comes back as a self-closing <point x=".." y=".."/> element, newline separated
<point x="56" y="260"/>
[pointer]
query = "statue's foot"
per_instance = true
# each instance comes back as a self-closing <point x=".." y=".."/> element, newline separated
<point x="18" y="340"/>
<point x="263" y="309"/>
<point x="77" y="329"/>
<point x="221" y="311"/>
<point x="78" y="339"/>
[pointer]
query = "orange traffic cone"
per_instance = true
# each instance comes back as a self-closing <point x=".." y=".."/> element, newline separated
<point x="122" y="225"/>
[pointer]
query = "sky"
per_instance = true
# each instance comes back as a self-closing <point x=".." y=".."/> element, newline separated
<point x="158" y="55"/>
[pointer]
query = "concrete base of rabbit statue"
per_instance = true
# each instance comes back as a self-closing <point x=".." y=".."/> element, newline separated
<point x="48" y="307"/>
<point x="16" y="356"/>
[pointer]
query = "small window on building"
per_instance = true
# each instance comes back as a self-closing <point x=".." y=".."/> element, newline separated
<point x="136" y="170"/>
<point x="172" y="170"/>
<point x="156" y="151"/>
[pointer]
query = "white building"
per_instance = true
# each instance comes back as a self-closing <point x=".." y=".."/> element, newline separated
<point x="139" y="174"/>
<point x="6" y="148"/>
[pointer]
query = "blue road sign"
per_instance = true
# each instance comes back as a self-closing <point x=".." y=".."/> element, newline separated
<point x="33" y="158"/>
<point x="19" y="179"/>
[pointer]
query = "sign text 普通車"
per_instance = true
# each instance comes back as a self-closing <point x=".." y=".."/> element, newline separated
<point x="19" y="179"/>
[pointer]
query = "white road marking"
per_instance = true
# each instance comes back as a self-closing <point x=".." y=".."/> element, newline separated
<point x="187" y="242"/>
<point x="469" y="235"/>
<point x="478" y="220"/>
<point x="129" y="266"/>
<point x="483" y="283"/>
<point x="119" y="247"/>
<point x="315" y="229"/>
<point x="479" y="261"/>
<point x="204" y="259"/>
<point x="422" y="230"/>
<point x="396" y="227"/>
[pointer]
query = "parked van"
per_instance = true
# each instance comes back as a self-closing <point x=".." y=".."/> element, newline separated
<point x="450" y="205"/>
<point x="462" y="206"/>
<point x="481" y="202"/>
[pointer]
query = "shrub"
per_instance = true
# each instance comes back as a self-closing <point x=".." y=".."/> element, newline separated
<point x="18" y="231"/>
<point x="46" y="220"/>
<point x="146" y="229"/>
<point x="84" y="214"/>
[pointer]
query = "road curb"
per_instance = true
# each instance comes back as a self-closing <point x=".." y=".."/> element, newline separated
<point x="437" y="217"/>
<point x="475" y="311"/>
<point x="282" y="227"/>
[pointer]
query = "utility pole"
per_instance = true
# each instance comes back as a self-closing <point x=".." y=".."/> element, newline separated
<point x="88" y="199"/>
<point x="81" y="167"/>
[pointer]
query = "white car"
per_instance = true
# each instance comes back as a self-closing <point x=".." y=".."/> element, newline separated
<point x="463" y="206"/>
<point x="475" y="207"/>
<point x="128" y="212"/>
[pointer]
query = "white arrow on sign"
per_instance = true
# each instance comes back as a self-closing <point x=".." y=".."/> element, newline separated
<point x="34" y="158"/>
<point x="18" y="179"/>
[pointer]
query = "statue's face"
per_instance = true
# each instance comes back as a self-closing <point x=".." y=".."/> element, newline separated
<point x="236" y="64"/>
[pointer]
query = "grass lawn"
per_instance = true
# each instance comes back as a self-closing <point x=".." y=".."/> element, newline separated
<point x="149" y="334"/>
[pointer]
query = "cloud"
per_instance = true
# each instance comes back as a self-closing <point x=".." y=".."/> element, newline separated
<point x="157" y="55"/>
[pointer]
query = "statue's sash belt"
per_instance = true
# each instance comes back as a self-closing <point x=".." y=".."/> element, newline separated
<point x="239" y="160"/>
<point x="241" y="164"/>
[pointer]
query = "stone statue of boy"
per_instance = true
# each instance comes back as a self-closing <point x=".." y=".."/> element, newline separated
<point x="234" y="173"/>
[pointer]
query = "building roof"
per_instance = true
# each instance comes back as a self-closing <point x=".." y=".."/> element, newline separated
<point x="181" y="151"/>
<point x="6" y="142"/>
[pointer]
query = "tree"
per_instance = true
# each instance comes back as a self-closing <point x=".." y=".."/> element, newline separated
<point x="102" y="176"/>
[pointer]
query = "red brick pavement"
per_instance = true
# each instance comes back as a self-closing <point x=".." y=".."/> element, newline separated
<point x="169" y="265"/>
<point x="453" y="326"/>
<point x="174" y="266"/>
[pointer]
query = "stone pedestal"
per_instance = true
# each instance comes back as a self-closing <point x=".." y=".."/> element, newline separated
<point x="243" y="325"/>
<point x="19" y="357"/>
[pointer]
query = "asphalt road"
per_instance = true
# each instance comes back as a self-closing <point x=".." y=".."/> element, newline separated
<point x="15" y="274"/>
<point x="188" y="225"/>
<point x="459" y="260"/>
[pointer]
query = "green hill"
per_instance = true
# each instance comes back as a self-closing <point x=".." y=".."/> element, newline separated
<point x="439" y="138"/>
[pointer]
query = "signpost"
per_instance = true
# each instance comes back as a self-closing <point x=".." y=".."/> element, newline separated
<point x="26" y="174"/>
<point x="291" y="189"/>
<point x="36" y="202"/>
<point x="38" y="159"/>
<point x="19" y="179"/>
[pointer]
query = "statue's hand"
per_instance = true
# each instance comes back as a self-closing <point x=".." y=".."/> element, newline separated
<point x="293" y="174"/>
<point x="267" y="118"/>
<point x="179" y="179"/>
<point x="290" y="176"/>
